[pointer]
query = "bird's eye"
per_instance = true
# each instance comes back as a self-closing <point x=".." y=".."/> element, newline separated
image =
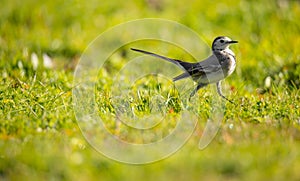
<point x="222" y="41"/>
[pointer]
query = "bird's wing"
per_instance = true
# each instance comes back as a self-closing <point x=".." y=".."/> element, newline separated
<point x="209" y="65"/>
<point x="210" y="68"/>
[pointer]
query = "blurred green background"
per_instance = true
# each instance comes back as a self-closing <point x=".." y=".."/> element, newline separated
<point x="39" y="137"/>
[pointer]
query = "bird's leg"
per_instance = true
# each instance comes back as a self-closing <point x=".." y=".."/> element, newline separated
<point x="199" y="86"/>
<point x="219" y="89"/>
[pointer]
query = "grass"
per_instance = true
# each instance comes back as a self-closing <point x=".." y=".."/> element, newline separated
<point x="39" y="136"/>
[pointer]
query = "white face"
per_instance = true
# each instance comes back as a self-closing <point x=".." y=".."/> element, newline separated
<point x="222" y="43"/>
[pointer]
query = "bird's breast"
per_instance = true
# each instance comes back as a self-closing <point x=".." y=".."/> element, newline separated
<point x="227" y="61"/>
<point x="229" y="65"/>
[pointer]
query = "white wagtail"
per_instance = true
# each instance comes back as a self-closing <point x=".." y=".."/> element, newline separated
<point x="211" y="70"/>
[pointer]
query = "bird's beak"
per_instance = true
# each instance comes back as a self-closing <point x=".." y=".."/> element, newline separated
<point x="233" y="41"/>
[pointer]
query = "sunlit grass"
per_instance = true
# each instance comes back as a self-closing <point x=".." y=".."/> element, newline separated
<point x="39" y="137"/>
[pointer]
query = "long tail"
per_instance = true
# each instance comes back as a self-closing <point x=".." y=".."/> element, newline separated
<point x="159" y="56"/>
<point x="181" y="76"/>
<point x="177" y="62"/>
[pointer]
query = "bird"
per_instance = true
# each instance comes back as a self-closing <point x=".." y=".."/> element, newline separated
<point x="213" y="69"/>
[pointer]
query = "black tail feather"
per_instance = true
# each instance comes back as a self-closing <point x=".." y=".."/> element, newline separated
<point x="156" y="55"/>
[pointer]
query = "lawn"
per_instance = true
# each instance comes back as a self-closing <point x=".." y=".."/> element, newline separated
<point x="41" y="43"/>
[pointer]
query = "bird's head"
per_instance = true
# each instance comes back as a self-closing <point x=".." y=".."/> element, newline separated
<point x="222" y="42"/>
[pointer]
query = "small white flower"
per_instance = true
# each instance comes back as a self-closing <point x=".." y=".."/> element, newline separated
<point x="48" y="63"/>
<point x="268" y="81"/>
<point x="34" y="61"/>
<point x="39" y="130"/>
<point x="20" y="64"/>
